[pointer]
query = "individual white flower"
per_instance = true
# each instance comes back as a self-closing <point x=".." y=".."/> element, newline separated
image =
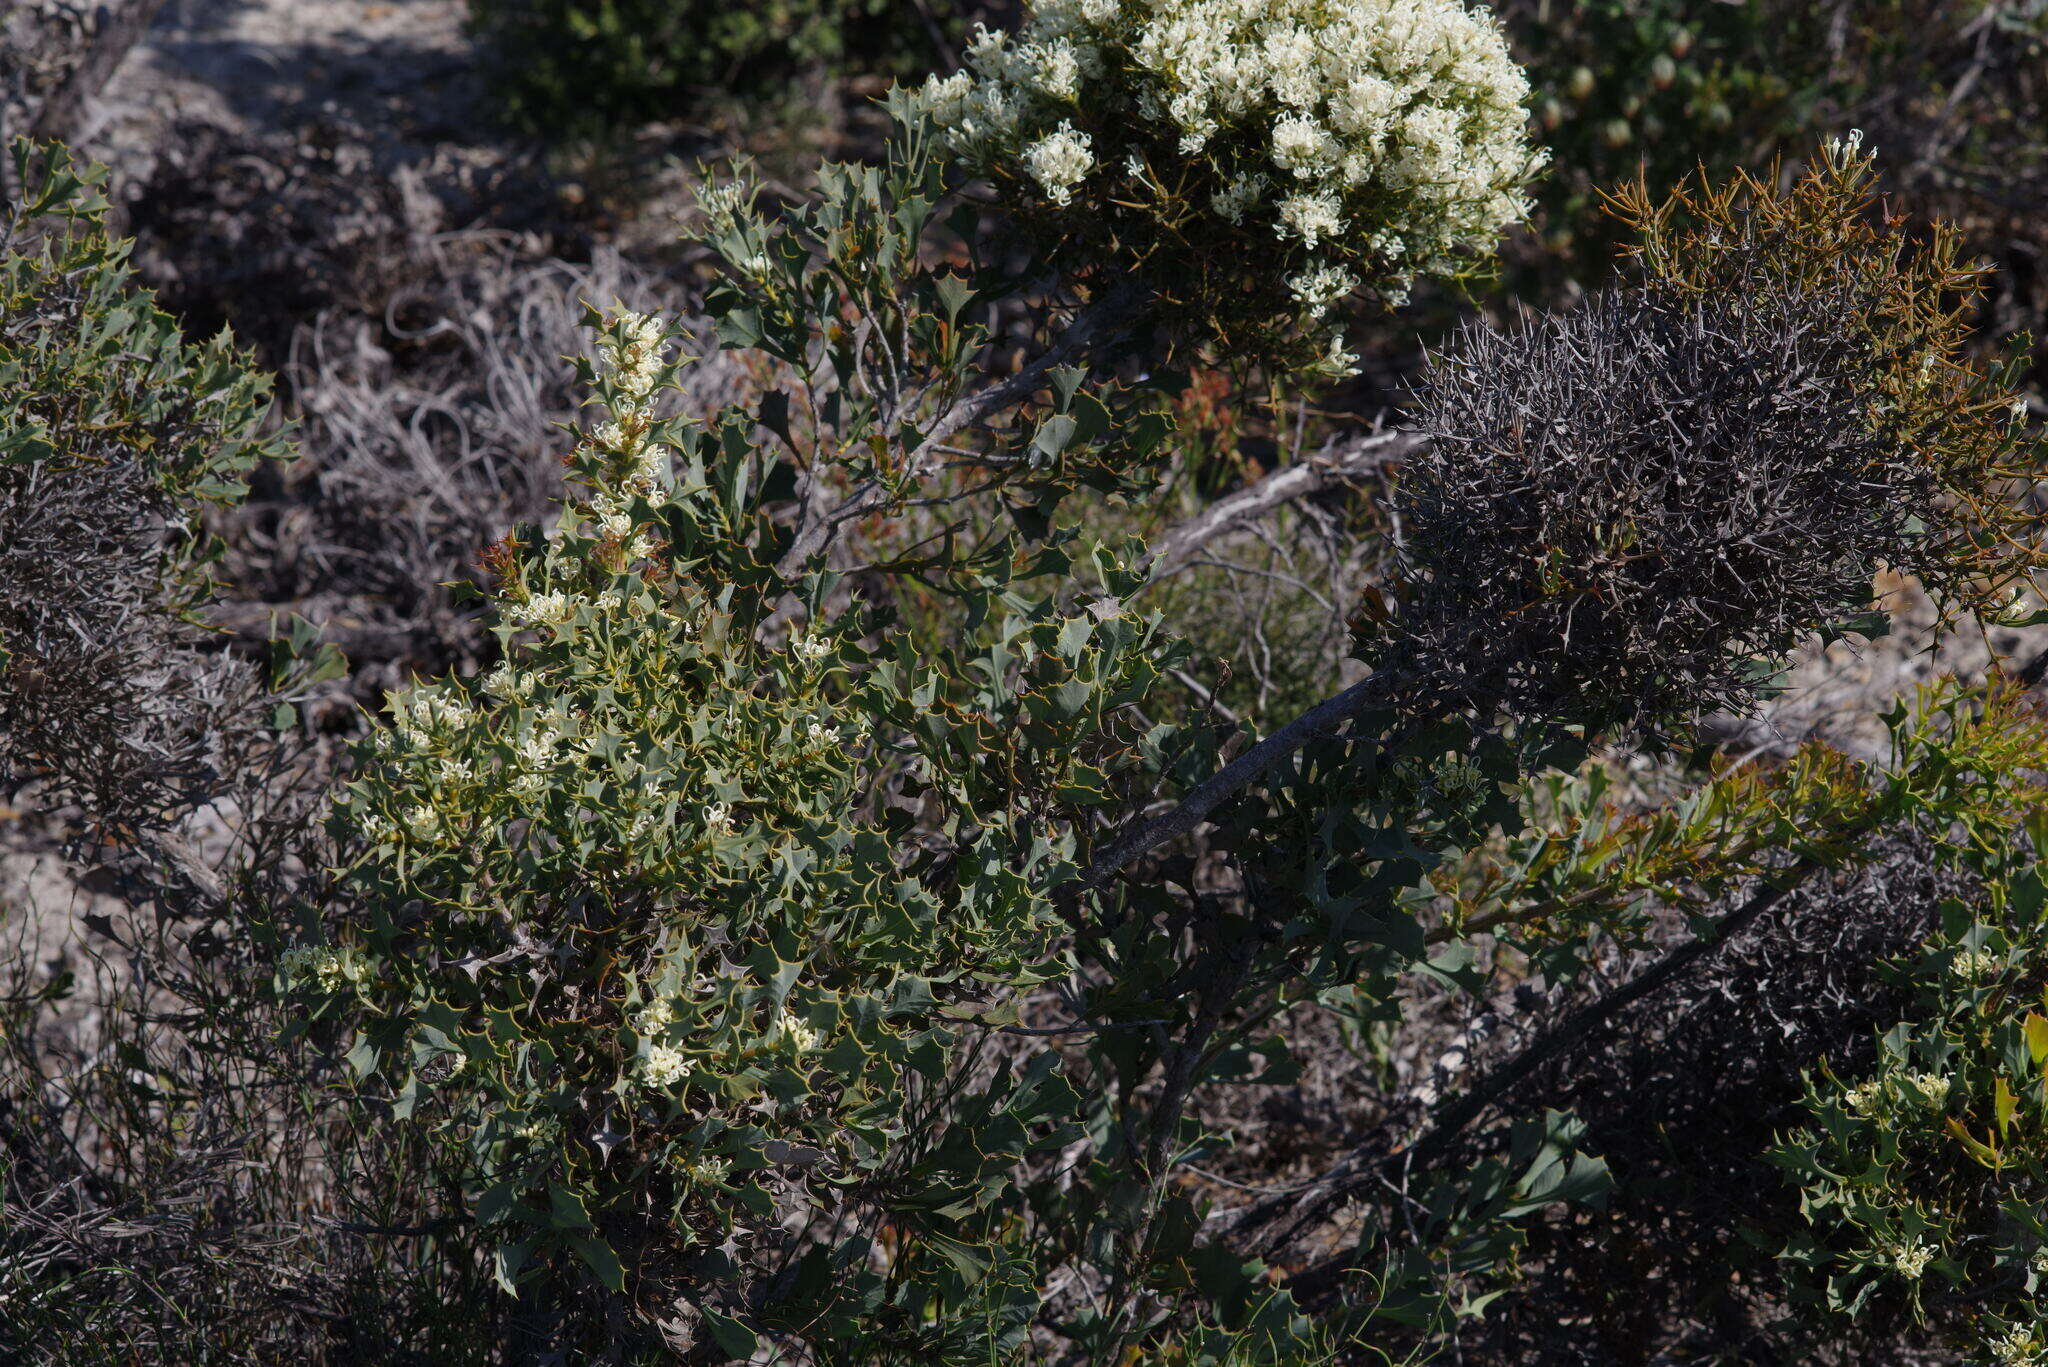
<point x="809" y="648"/>
<point x="1059" y="161"/>
<point x="1865" y="1098"/>
<point x="1232" y="201"/>
<point x="817" y="734"/>
<point x="1311" y="217"/>
<point x="718" y="816"/>
<point x="508" y="683"/>
<point x="424" y="824"/>
<point x="656" y="1016"/>
<point x="536" y="749"/>
<point x="614" y="526"/>
<point x="1847" y="148"/>
<point x="1338" y="363"/>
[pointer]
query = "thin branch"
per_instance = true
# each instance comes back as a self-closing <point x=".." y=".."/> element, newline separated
<point x="1089" y="326"/>
<point x="1191" y="811"/>
<point x="1328" y="469"/>
<point x="1361" y="1168"/>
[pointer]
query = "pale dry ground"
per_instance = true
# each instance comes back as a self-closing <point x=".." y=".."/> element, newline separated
<point x="1839" y="694"/>
<point x="400" y="68"/>
<point x="402" y="71"/>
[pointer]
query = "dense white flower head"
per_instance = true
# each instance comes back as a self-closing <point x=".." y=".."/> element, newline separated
<point x="1384" y="137"/>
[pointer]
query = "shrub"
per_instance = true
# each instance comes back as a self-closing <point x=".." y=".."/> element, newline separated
<point x="700" y="937"/>
<point x="639" y="927"/>
<point x="1629" y="506"/>
<point x="586" y="65"/>
<point x="117" y="439"/>
<point x="1258" y="164"/>
<point x="1921" y="1173"/>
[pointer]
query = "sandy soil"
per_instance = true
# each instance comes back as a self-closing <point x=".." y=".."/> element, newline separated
<point x="399" y="68"/>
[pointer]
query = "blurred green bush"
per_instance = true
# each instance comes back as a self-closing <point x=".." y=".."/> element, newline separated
<point x="580" y="66"/>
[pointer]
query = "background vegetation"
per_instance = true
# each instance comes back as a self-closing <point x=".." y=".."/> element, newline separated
<point x="736" y="725"/>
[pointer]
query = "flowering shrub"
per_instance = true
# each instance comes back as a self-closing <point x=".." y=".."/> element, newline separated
<point x="1923" y="1183"/>
<point x="1259" y="162"/>
<point x="640" y="930"/>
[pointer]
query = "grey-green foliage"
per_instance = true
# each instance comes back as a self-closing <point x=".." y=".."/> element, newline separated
<point x="639" y="928"/>
<point x="117" y="437"/>
<point x="1922" y="1181"/>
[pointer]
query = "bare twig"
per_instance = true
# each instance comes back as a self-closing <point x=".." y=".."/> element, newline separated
<point x="1330" y="468"/>
<point x="1366" y="1167"/>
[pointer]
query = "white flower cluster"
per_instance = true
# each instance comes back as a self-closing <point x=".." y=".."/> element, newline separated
<point x="322" y="967"/>
<point x="422" y="713"/>
<point x="1910" y="1260"/>
<point x="539" y="1130"/>
<point x="797" y="1034"/>
<point x="1972" y="965"/>
<point x="657" y="1016"/>
<point x="1933" y="1088"/>
<point x="631" y="352"/>
<point x="707" y="1171"/>
<point x="665" y="1066"/>
<point x="632" y="356"/>
<point x="1387" y="135"/>
<point x="544" y="609"/>
<point x="2019" y="1347"/>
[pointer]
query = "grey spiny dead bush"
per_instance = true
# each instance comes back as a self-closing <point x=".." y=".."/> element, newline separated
<point x="1629" y="514"/>
<point x="1632" y="504"/>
